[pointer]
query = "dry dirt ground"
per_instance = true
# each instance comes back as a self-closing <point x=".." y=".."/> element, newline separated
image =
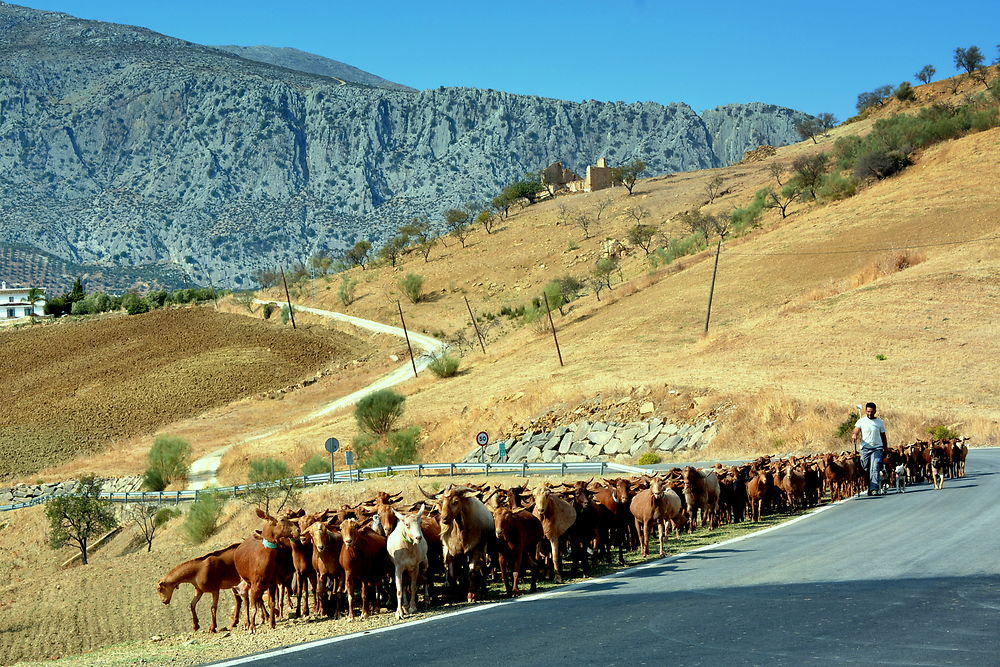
<point x="79" y="386"/>
<point x="802" y="330"/>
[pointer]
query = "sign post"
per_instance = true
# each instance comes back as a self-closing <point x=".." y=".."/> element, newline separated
<point x="482" y="439"/>
<point x="332" y="445"/>
<point x="349" y="459"/>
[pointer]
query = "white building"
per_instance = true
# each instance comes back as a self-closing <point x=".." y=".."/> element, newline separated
<point x="14" y="303"/>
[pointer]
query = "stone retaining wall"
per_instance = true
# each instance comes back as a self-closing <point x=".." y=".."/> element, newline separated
<point x="599" y="441"/>
<point x="23" y="493"/>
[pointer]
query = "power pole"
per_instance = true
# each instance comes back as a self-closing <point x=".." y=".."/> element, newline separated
<point x="407" y="335"/>
<point x="288" y="299"/>
<point x="711" y="291"/>
<point x="475" y="325"/>
<point x="553" y="327"/>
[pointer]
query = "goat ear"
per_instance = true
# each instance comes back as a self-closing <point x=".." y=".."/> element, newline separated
<point x="423" y="508"/>
<point x="263" y="515"/>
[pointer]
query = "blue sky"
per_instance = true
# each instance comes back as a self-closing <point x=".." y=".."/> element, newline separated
<point x="813" y="56"/>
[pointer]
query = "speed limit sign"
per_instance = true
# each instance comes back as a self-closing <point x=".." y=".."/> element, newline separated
<point x="482" y="439"/>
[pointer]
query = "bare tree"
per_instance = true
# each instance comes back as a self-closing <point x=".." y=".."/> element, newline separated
<point x="713" y="188"/>
<point x="642" y="236"/>
<point x="638" y="214"/>
<point x="584" y="222"/>
<point x="777" y="169"/>
<point x="147" y="518"/>
<point x="602" y="205"/>
<point x="596" y="283"/>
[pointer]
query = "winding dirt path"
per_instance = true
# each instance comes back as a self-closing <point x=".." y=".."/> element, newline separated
<point x="203" y="471"/>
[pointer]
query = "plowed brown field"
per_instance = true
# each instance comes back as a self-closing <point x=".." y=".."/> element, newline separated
<point x="73" y="387"/>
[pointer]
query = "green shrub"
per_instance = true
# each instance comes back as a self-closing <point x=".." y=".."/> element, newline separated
<point x="269" y="309"/>
<point x="152" y="480"/>
<point x="749" y="216"/>
<point x="286" y="314"/>
<point x="203" y="517"/>
<point x="904" y="93"/>
<point x="133" y="305"/>
<point x="880" y="357"/>
<point x="267" y="470"/>
<point x="879" y="165"/>
<point x="835" y="186"/>
<point x="658" y="257"/>
<point x="648" y="459"/>
<point x="942" y="432"/>
<point x="165" y="514"/>
<point x="687" y="245"/>
<point x="399" y="448"/>
<point x="317" y="465"/>
<point x="169" y="459"/>
<point x="444" y="365"/>
<point x="378" y="413"/>
<point x="347" y="292"/>
<point x="412" y="286"/>
<point x="846" y="427"/>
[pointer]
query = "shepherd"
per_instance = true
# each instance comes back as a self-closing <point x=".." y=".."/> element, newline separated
<point x="874" y="445"/>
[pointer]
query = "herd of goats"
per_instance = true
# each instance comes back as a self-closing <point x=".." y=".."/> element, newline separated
<point x="469" y="533"/>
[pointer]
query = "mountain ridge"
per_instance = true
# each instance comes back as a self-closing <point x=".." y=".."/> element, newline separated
<point x="123" y="146"/>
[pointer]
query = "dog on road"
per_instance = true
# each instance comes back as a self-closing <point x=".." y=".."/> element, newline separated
<point x="938" y="465"/>
<point x="901" y="478"/>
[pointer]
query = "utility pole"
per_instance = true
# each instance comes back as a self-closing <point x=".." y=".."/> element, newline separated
<point x="475" y="324"/>
<point x="711" y="291"/>
<point x="288" y="299"/>
<point x="553" y="327"/>
<point x="407" y="335"/>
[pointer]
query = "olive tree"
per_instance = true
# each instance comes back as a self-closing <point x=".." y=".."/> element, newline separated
<point x="78" y="518"/>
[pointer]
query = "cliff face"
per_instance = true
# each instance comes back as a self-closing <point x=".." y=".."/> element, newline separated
<point x="123" y="146"/>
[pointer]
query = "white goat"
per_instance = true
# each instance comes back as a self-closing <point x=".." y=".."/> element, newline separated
<point x="408" y="550"/>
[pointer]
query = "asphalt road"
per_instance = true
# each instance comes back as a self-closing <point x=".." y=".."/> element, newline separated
<point x="908" y="579"/>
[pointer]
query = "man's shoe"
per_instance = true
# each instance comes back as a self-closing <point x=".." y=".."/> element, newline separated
<point x="869" y="492"/>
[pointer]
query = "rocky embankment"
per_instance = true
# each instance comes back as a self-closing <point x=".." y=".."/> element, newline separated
<point x="25" y="493"/>
<point x="599" y="441"/>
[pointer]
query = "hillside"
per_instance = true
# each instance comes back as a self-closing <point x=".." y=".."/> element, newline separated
<point x="123" y="146"/>
<point x="75" y="388"/>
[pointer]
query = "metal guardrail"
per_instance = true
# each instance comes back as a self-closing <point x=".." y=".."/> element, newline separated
<point x="439" y="469"/>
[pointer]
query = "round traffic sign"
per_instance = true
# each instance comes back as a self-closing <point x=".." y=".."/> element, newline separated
<point x="482" y="438"/>
<point x="332" y="445"/>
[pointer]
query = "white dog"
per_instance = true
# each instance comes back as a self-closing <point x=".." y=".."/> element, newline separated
<point x="901" y="478"/>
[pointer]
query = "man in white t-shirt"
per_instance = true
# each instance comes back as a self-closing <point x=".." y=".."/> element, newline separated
<point x="871" y="430"/>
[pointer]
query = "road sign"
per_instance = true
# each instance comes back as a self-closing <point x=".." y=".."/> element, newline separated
<point x="482" y="438"/>
<point x="332" y="445"/>
<point x="503" y="449"/>
<point x="349" y="458"/>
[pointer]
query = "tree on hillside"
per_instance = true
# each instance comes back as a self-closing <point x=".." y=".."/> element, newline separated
<point x="529" y="188"/>
<point x="271" y="482"/>
<point x="487" y="220"/>
<point x="584" y="222"/>
<point x="457" y="220"/>
<point x="777" y="169"/>
<point x="970" y="60"/>
<point x="147" y="518"/>
<point x="714" y="188"/>
<point x="699" y="223"/>
<point x="874" y="98"/>
<point x="77" y="519"/>
<point x="266" y="278"/>
<point x="827" y="121"/>
<point x="809" y="170"/>
<point x="321" y="262"/>
<point x="904" y="92"/>
<point x="628" y="174"/>
<point x="604" y="269"/>
<point x="782" y="198"/>
<point x="501" y="204"/>
<point x="358" y="255"/>
<point x="419" y="230"/>
<point x="808" y="129"/>
<point x="925" y="74"/>
<point x="642" y="235"/>
<point x="394" y="248"/>
<point x="602" y="205"/>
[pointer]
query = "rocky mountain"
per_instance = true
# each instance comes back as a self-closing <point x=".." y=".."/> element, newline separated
<point x="122" y="146"/>
<point x="312" y="64"/>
